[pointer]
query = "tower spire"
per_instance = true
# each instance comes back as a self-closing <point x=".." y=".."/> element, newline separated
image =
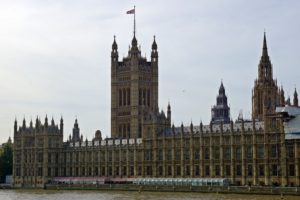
<point x="265" y="48"/>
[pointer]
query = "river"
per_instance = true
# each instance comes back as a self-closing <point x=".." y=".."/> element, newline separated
<point x="116" y="195"/>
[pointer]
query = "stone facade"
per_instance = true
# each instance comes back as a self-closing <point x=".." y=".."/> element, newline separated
<point x="144" y="144"/>
<point x="134" y="90"/>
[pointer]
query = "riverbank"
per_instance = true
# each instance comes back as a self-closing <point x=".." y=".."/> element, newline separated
<point x="165" y="188"/>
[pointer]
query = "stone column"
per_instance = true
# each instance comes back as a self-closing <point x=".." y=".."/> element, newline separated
<point x="232" y="156"/>
<point x="135" y="159"/>
<point x="244" y="175"/>
<point x="173" y="154"/>
<point x="191" y="150"/>
<point x="221" y="151"/>
<point x="267" y="167"/>
<point x="254" y="147"/>
<point x="211" y="153"/>
<point x="164" y="156"/>
<point x="283" y="158"/>
<point x="181" y="151"/>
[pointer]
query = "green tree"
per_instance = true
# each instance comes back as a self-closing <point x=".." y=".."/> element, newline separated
<point x="6" y="160"/>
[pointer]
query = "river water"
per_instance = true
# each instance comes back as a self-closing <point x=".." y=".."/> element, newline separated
<point x="117" y="195"/>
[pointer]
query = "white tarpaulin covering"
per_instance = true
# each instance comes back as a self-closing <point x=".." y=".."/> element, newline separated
<point x="292" y="125"/>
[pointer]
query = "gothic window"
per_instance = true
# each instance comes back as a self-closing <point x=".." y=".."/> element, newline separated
<point x="217" y="170"/>
<point x="124" y="97"/>
<point x="197" y="170"/>
<point x="274" y="151"/>
<point x="144" y="97"/>
<point x="49" y="171"/>
<point x="90" y="171"/>
<point x="110" y="170"/>
<point x="148" y="97"/>
<point x="238" y="153"/>
<point x="290" y="152"/>
<point x="139" y="170"/>
<point x="196" y="154"/>
<point x="249" y="152"/>
<point x="169" y="171"/>
<point x="140" y="97"/>
<point x="131" y="170"/>
<point x="274" y="170"/>
<point x="178" y="154"/>
<point x="206" y="153"/>
<point x="227" y="153"/>
<point x="227" y="170"/>
<point x="178" y="170"/>
<point x="120" y="97"/>
<point x="238" y="170"/>
<point x="261" y="170"/>
<point x="128" y="96"/>
<point x="140" y="130"/>
<point x="249" y="170"/>
<point x="49" y="157"/>
<point x="148" y="155"/>
<point x="187" y="154"/>
<point x="187" y="169"/>
<point x="160" y="155"/>
<point x="169" y="155"/>
<point x="260" y="151"/>
<point x="217" y="153"/>
<point x="124" y="131"/>
<point x="96" y="171"/>
<point x="149" y="170"/>
<point x="128" y="130"/>
<point x="40" y="157"/>
<point x="207" y="170"/>
<point x="292" y="170"/>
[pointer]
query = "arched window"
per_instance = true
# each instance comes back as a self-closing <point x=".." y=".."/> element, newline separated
<point x="128" y="96"/>
<point x="124" y="97"/>
<point x="120" y="97"/>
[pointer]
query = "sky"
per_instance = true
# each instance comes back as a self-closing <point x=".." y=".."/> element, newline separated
<point x="55" y="56"/>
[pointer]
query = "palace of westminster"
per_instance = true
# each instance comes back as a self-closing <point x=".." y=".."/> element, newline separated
<point x="143" y="142"/>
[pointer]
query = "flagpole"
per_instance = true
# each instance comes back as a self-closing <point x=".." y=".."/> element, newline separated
<point x="134" y="23"/>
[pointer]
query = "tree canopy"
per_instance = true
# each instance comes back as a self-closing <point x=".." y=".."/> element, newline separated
<point x="6" y="160"/>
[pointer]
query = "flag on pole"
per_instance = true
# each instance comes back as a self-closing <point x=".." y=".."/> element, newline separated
<point x="132" y="11"/>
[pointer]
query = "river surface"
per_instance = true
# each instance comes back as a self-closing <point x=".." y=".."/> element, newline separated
<point x="116" y="195"/>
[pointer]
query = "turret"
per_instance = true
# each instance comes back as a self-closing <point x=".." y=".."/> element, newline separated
<point x="295" y="101"/>
<point x="46" y="122"/>
<point x="52" y="122"/>
<point x="134" y="51"/>
<point x="114" y="51"/>
<point x="15" y="126"/>
<point x="221" y="111"/>
<point x="192" y="127"/>
<point x="169" y="114"/>
<point x="282" y="101"/>
<point x="24" y="123"/>
<point x="76" y="132"/>
<point x="61" y="125"/>
<point x="154" y="53"/>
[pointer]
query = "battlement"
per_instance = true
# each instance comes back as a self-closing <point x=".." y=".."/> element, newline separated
<point x="218" y="128"/>
<point x="105" y="142"/>
<point x="38" y="127"/>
